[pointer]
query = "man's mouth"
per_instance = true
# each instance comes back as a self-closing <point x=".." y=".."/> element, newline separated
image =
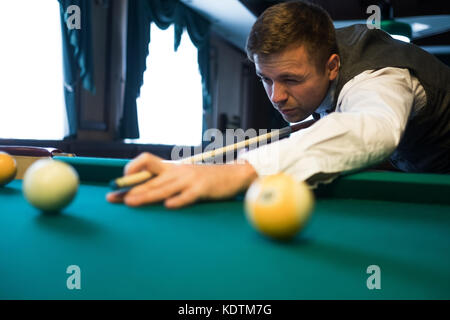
<point x="287" y="111"/>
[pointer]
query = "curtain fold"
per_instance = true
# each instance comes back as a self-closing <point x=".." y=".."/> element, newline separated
<point x="141" y="13"/>
<point x="77" y="56"/>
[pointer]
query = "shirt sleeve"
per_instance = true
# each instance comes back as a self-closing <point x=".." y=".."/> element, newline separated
<point x="370" y="118"/>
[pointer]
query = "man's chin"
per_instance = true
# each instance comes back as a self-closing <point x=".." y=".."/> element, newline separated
<point x="293" y="118"/>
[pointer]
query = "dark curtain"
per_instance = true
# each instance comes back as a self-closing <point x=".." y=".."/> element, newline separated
<point x="141" y="13"/>
<point x="77" y="56"/>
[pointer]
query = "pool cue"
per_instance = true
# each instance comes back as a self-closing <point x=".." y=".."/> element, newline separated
<point x="132" y="180"/>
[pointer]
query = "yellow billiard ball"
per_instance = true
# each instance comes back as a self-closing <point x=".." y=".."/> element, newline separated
<point x="50" y="185"/>
<point x="8" y="168"/>
<point x="278" y="206"/>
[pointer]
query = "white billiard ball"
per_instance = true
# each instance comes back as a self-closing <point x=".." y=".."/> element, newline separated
<point x="50" y="185"/>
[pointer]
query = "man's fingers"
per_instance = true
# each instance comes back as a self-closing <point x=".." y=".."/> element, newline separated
<point x="145" y="161"/>
<point x="153" y="195"/>
<point x="174" y="199"/>
<point x="181" y="184"/>
<point x="116" y="196"/>
<point x="154" y="183"/>
<point x="187" y="197"/>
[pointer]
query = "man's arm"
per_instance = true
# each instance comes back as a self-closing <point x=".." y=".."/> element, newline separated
<point x="182" y="184"/>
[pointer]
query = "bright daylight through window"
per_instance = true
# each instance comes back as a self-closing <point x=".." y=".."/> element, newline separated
<point x="32" y="98"/>
<point x="170" y="105"/>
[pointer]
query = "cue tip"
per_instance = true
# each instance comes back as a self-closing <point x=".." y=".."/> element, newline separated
<point x="113" y="185"/>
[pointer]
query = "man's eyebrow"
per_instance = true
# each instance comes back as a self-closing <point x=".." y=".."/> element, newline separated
<point x="292" y="75"/>
<point x="284" y="75"/>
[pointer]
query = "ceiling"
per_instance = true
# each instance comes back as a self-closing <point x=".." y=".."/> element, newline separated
<point x="233" y="19"/>
<point x="356" y="9"/>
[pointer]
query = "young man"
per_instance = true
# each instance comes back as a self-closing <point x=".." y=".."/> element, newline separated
<point x="376" y="98"/>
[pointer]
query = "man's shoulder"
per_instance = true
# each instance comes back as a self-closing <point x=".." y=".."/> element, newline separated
<point x="355" y="32"/>
<point x="351" y="27"/>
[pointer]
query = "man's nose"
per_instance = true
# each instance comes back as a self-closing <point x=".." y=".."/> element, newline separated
<point x="279" y="93"/>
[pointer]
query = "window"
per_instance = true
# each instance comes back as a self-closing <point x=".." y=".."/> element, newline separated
<point x="170" y="109"/>
<point x="31" y="74"/>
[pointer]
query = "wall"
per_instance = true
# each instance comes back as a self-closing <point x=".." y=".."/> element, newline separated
<point x="98" y="113"/>
<point x="238" y="97"/>
<point x="226" y="84"/>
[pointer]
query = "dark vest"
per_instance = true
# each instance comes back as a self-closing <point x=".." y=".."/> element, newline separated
<point x="425" y="145"/>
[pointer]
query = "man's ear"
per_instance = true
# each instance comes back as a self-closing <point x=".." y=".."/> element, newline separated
<point x="333" y="65"/>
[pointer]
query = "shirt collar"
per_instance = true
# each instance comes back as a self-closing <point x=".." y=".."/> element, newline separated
<point x="326" y="105"/>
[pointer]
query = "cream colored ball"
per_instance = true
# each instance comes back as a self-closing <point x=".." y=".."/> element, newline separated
<point x="278" y="206"/>
<point x="50" y="185"/>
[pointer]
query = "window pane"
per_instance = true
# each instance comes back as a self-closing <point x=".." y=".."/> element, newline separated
<point x="31" y="98"/>
<point x="170" y="107"/>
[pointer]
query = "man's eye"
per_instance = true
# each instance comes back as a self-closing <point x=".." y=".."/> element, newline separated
<point x="265" y="80"/>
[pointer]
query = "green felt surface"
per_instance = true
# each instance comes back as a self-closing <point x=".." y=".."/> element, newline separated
<point x="209" y="251"/>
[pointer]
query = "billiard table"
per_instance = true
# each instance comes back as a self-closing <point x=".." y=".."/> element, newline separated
<point x="372" y="235"/>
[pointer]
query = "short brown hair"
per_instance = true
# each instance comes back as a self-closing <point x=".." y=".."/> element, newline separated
<point x="293" y="23"/>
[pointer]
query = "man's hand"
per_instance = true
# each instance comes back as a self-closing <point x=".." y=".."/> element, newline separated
<point x="182" y="184"/>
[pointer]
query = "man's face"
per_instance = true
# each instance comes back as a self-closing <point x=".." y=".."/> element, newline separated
<point x="293" y="84"/>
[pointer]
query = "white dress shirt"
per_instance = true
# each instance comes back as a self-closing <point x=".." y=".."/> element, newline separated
<point x="370" y="117"/>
